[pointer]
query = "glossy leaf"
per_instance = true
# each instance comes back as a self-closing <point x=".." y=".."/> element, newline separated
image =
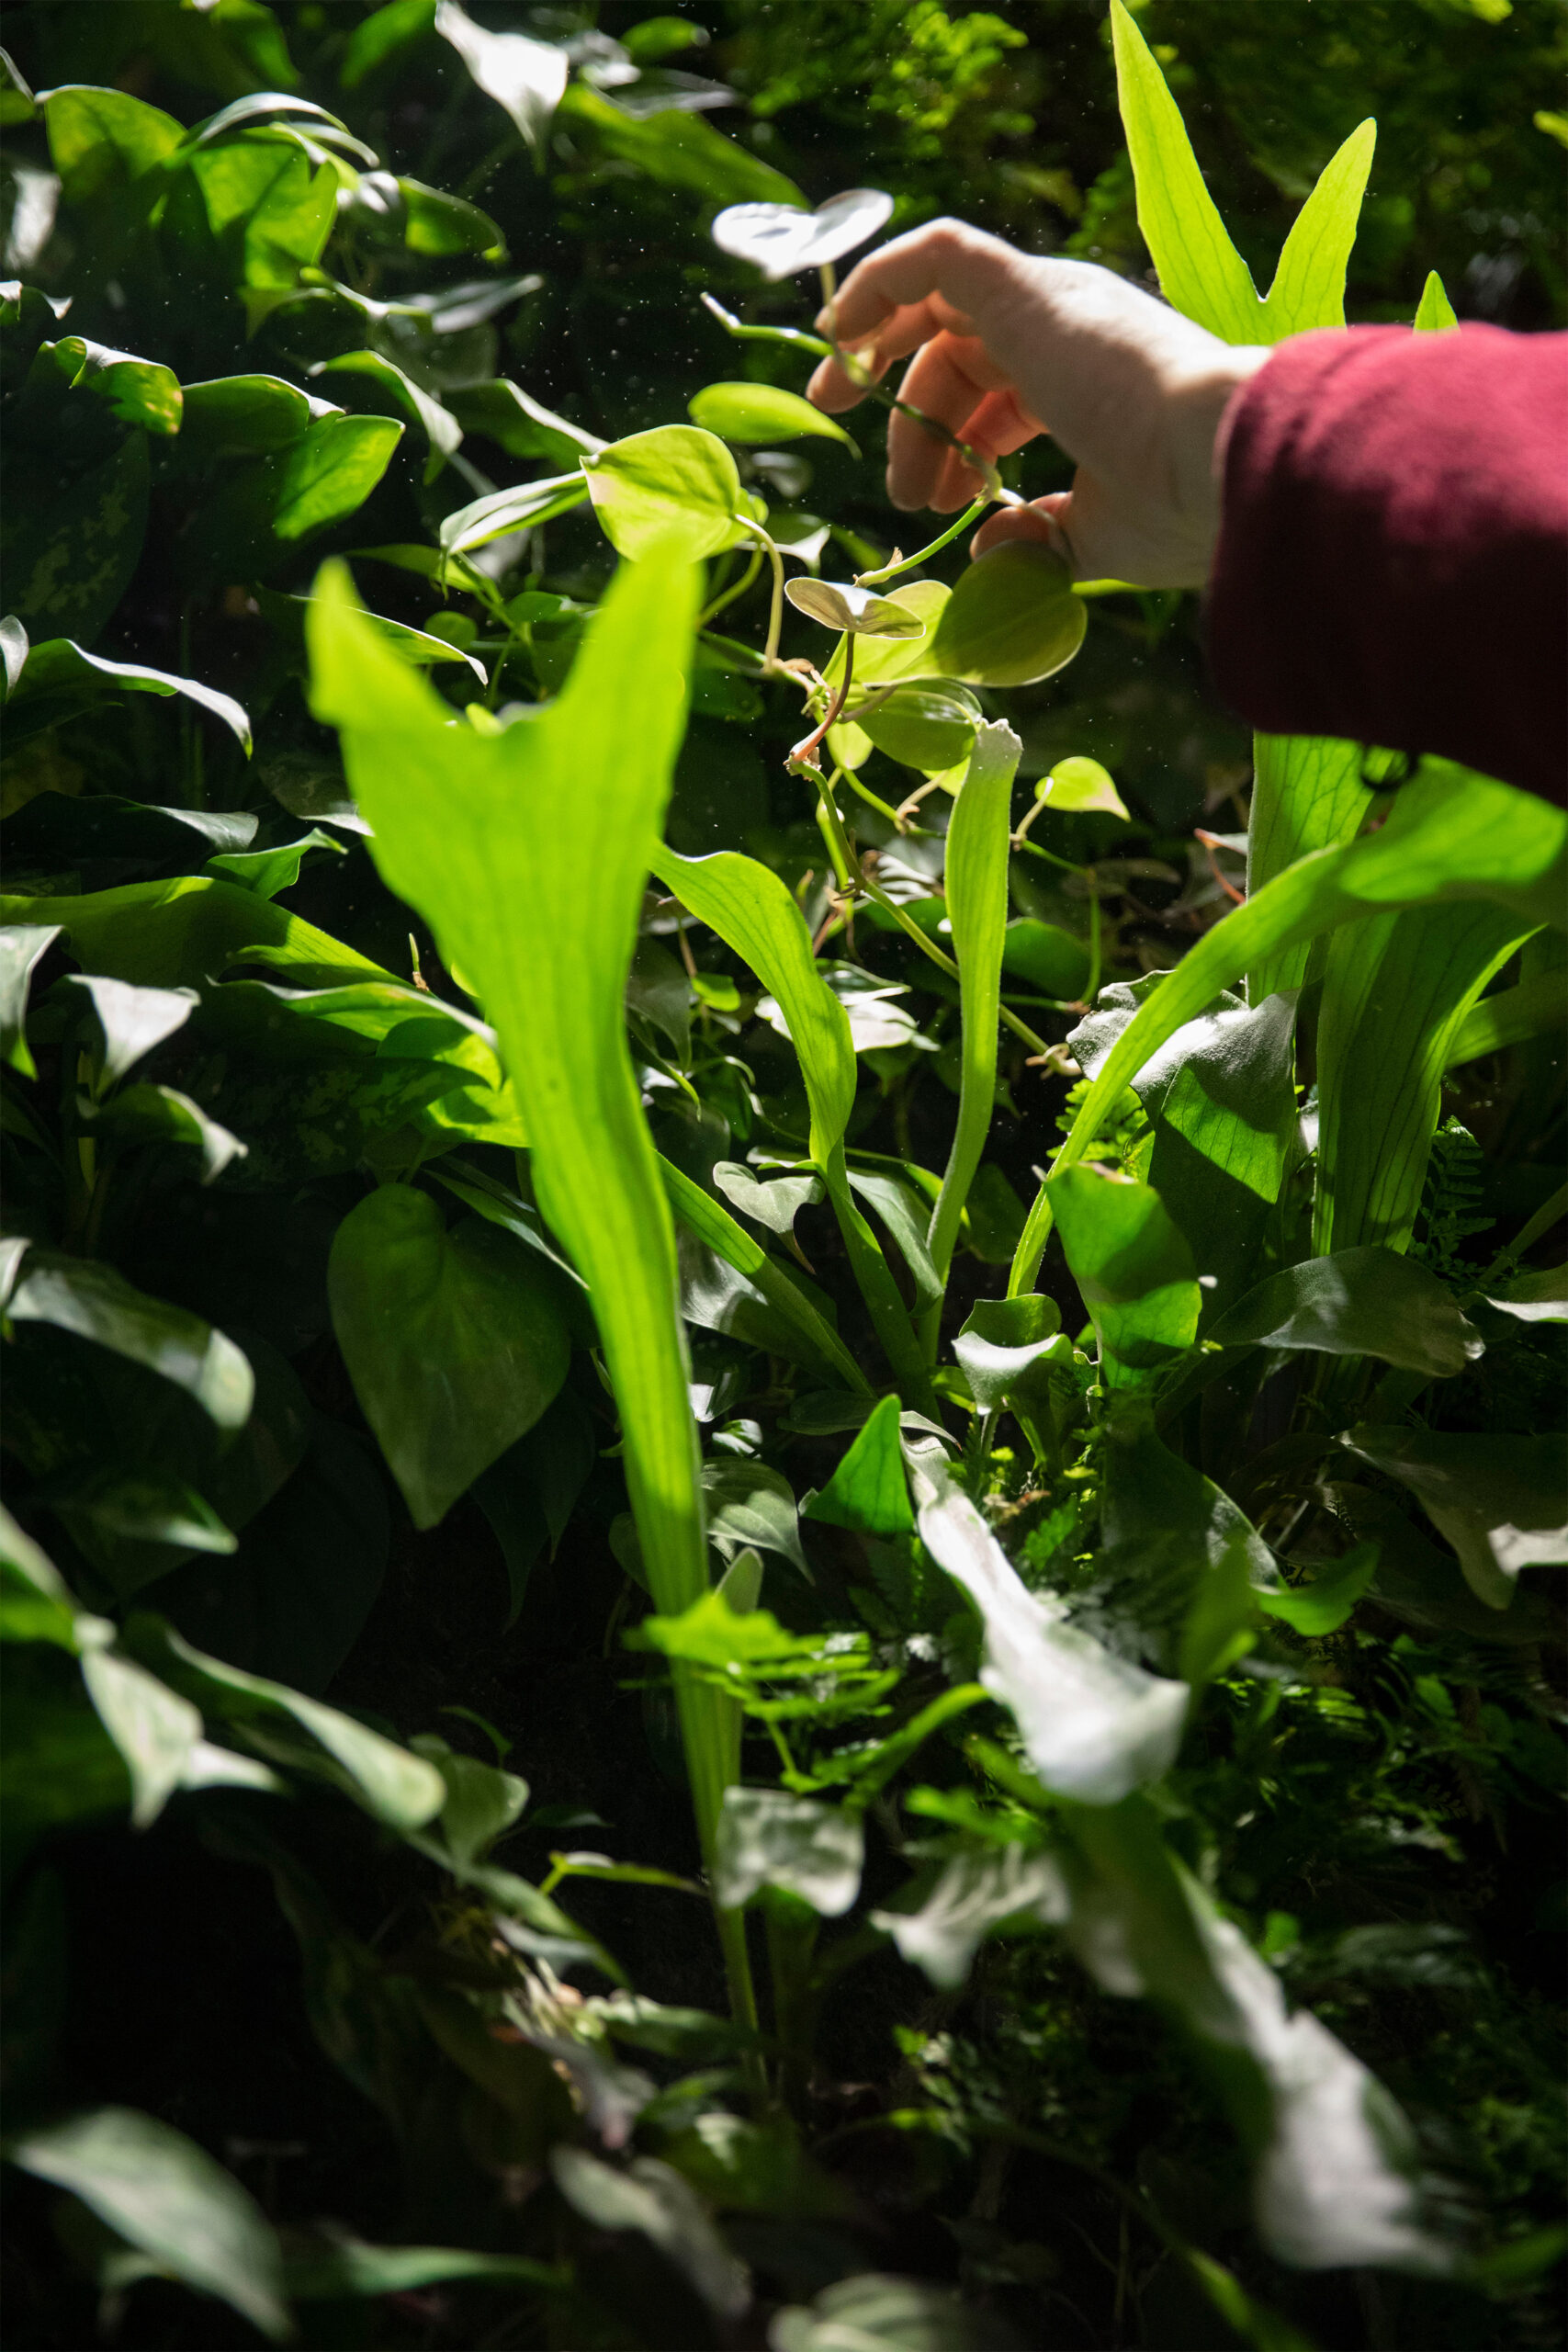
<point x="1012" y="619"/>
<point x="1221" y="1098"/>
<point x="748" y="1503"/>
<point x="453" y="1340"/>
<point x="780" y="238"/>
<point x="977" y="843"/>
<point x="84" y="1295"/>
<point x="243" y="415"/>
<point x="676" y="150"/>
<point x="675" y="485"/>
<point x="398" y="1788"/>
<point x="133" y="1019"/>
<point x="1134" y="1270"/>
<point x="269" y="502"/>
<point x="1334" y="2178"/>
<point x="758" y="414"/>
<point x="499" y="512"/>
<point x="162" y="1115"/>
<point x="138" y="391"/>
<point x="879" y="661"/>
<point x="170" y="2200"/>
<point x="270" y="871"/>
<point x="767" y="1837"/>
<point x="1502" y="1502"/>
<point x="64" y="670"/>
<point x="924" y="728"/>
<point x="1093" y="1726"/>
<point x="154" y="1729"/>
<point x="775" y="1202"/>
<point x="162" y="935"/>
<point x="1043" y="957"/>
<point x="21" y="947"/>
<point x="869" y="1491"/>
<point x="859" y="612"/>
<point x="440" y="427"/>
<point x="525" y="76"/>
<point x="1367" y="1301"/>
<point x="718" y="1231"/>
<point x="102" y="139"/>
<point x="503" y="412"/>
<point x="1452" y="836"/>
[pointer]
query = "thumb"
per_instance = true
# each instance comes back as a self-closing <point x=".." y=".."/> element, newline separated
<point x="1045" y="523"/>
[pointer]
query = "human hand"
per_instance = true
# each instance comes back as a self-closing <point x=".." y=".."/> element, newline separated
<point x="1007" y="347"/>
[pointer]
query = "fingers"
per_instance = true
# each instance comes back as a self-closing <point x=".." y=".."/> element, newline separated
<point x="946" y="258"/>
<point x="947" y="381"/>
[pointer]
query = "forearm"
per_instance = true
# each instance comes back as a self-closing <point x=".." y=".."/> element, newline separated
<point x="1392" y="558"/>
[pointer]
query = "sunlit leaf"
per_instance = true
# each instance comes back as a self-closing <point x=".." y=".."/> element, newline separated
<point x="1012" y="619"/>
<point x="1133" y="1268"/>
<point x="154" y="1729"/>
<point x="524" y="75"/>
<point x="1093" y="1726"/>
<point x="757" y="414"/>
<point x="1360" y="1302"/>
<point x="1309" y="284"/>
<point x="1080" y="787"/>
<point x="977" y="842"/>
<point x="973" y="1897"/>
<point x="675" y="484"/>
<point x="780" y="238"/>
<point x="748" y="1503"/>
<point x="62" y="669"/>
<point x="1434" y="312"/>
<point x="21" y="947"/>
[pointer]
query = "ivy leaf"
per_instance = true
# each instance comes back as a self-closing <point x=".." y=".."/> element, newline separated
<point x="453" y="1340"/>
<point x="750" y="1504"/>
<point x="1012" y="619"/>
<point x="775" y="1202"/>
<point x="756" y="413"/>
<point x="781" y="239"/>
<point x="675" y="484"/>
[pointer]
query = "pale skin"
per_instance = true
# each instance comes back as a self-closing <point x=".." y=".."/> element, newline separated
<point x="1005" y="347"/>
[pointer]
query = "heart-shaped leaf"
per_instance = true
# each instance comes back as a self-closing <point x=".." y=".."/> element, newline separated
<point x="676" y="484"/>
<point x="869" y="1491"/>
<point x="923" y="728"/>
<point x="452" y="1340"/>
<point x="860" y="611"/>
<point x="1079" y="787"/>
<point x="1012" y="619"/>
<point x="780" y="240"/>
<point x="775" y="1203"/>
<point x="755" y="414"/>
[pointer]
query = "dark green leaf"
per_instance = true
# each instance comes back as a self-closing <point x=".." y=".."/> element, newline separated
<point x="1360" y="1302"/>
<point x="61" y="670"/>
<point x="453" y="1340"/>
<point x="869" y="1491"/>
<point x="71" y="554"/>
<point x="82" y="1295"/>
<point x="133" y="1019"/>
<point x="1502" y="1502"/>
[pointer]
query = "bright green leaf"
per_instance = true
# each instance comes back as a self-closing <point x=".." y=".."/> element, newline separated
<point x="869" y="1492"/>
<point x="1012" y="619"/>
<point x="755" y="414"/>
<point x="675" y="484"/>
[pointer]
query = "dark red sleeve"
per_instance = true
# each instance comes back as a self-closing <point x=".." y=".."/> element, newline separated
<point x="1393" y="562"/>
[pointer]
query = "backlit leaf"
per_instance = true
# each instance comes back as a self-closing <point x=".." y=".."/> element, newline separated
<point x="524" y="75"/>
<point x="869" y="1491"/>
<point x="675" y="484"/>
<point x="781" y="239"/>
<point x="756" y="413"/>
<point x="1012" y="619"/>
<point x="1133" y="1268"/>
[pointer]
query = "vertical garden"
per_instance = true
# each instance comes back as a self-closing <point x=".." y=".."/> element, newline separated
<point x="783" y="1362"/>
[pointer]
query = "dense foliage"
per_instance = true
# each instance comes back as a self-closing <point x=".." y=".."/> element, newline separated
<point x="784" y="1529"/>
